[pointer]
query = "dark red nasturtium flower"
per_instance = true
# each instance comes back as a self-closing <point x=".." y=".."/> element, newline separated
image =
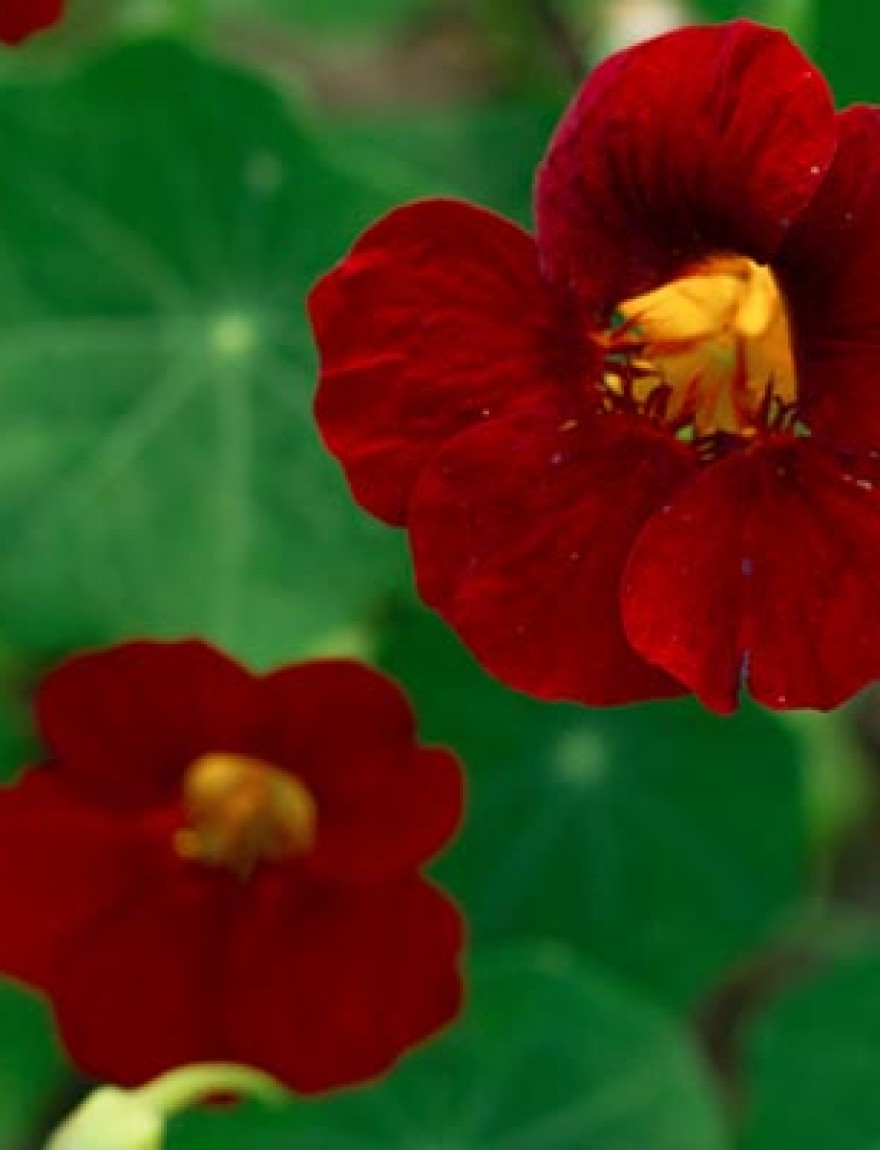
<point x="20" y="19"/>
<point x="213" y="865"/>
<point x="637" y="453"/>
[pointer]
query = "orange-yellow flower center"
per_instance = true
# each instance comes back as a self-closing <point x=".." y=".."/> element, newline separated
<point x="709" y="353"/>
<point x="242" y="811"/>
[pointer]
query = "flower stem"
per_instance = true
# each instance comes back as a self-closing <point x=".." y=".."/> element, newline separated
<point x="180" y="1088"/>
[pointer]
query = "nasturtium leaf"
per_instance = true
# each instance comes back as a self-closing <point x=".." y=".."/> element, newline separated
<point x="665" y="840"/>
<point x="846" y="48"/>
<point x="811" y="1063"/>
<point x="33" y="1072"/>
<point x="551" y="1055"/>
<point x="162" y="219"/>
<point x="487" y="153"/>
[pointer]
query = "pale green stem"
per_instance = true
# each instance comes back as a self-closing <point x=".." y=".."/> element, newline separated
<point x="178" y="1089"/>
<point x="115" y="1119"/>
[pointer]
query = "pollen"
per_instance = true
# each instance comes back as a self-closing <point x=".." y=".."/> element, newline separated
<point x="709" y="353"/>
<point x="242" y="811"/>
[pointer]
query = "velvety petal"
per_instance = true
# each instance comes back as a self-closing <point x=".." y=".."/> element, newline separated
<point x="62" y="863"/>
<point x="128" y="720"/>
<point x="22" y="18"/>
<point x="705" y="140"/>
<point x="405" y="822"/>
<point x="348" y="732"/>
<point x="436" y="320"/>
<point x="330" y="990"/>
<point x="341" y="726"/>
<point x="763" y="572"/>
<point x="520" y="530"/>
<point x="828" y="269"/>
<point x="138" y="991"/>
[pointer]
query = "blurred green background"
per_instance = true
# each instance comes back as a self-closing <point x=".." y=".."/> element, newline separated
<point x="675" y="917"/>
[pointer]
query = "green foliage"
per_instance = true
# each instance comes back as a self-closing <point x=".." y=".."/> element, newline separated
<point x="444" y="153"/>
<point x="16" y="738"/>
<point x="552" y="1055"/>
<point x="847" y="35"/>
<point x="331" y="17"/>
<point x="32" y="1069"/>
<point x="163" y="218"/>
<point x="635" y="834"/>
<point x="812" y="1063"/>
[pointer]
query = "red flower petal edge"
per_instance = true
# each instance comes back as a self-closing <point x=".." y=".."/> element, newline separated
<point x="779" y="571"/>
<point x="244" y="850"/>
<point x="517" y="544"/>
<point x="437" y="321"/>
<point x="706" y="139"/>
<point x="20" y="19"/>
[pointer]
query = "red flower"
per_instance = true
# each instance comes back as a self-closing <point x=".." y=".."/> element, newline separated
<point x="218" y="866"/>
<point x="22" y="18"/>
<point x="637" y="454"/>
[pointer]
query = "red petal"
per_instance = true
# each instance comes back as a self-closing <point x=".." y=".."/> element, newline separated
<point x="62" y="863"/>
<point x="137" y="992"/>
<point x="340" y="725"/>
<point x="437" y="319"/>
<point x="707" y="139"/>
<point x="328" y="992"/>
<point x="763" y="570"/>
<point x="125" y="722"/>
<point x="384" y="804"/>
<point x="22" y="18"/>
<point x="520" y="530"/>
<point x="828" y="270"/>
<point x="403" y="824"/>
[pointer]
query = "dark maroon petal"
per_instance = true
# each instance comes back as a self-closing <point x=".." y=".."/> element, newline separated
<point x="340" y="726"/>
<point x="707" y="139"/>
<point x="402" y="824"/>
<point x="137" y="992"/>
<point x="828" y="269"/>
<point x="62" y="862"/>
<point x="125" y="722"/>
<point x="763" y="572"/>
<point x="385" y="805"/>
<point x="330" y="990"/>
<point x="322" y="970"/>
<point x="520" y="530"/>
<point x="437" y="319"/>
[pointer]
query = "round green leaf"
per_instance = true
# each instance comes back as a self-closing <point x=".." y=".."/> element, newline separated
<point x="812" y="1064"/>
<point x="662" y="839"/>
<point x="550" y="1056"/>
<point x="162" y="221"/>
<point x="487" y="152"/>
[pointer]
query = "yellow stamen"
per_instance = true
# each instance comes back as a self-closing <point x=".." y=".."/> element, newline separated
<point x="717" y="339"/>
<point x="242" y="811"/>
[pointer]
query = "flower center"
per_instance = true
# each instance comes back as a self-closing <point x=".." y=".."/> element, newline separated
<point x="242" y="811"/>
<point x="708" y="354"/>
